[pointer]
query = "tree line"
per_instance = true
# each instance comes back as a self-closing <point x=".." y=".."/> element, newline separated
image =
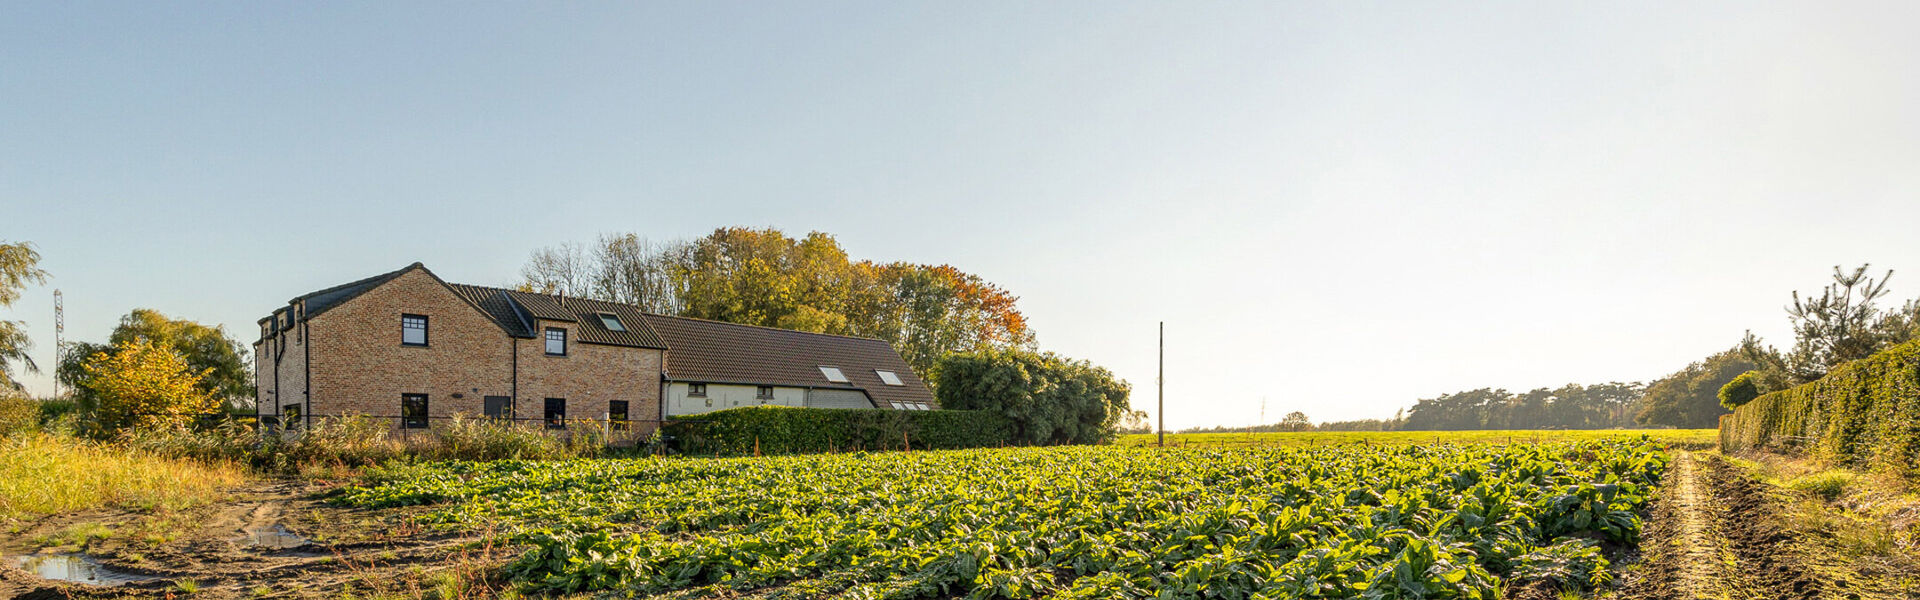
<point x="1847" y="321"/>
<point x="765" y="277"/>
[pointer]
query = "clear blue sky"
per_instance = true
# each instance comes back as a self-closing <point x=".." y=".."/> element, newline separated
<point x="1340" y="207"/>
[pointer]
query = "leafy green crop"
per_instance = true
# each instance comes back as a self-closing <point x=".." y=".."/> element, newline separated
<point x="1067" y="522"/>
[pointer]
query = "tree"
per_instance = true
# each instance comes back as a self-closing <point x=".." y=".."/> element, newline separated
<point x="1295" y="421"/>
<point x="205" y="348"/>
<point x="18" y="268"/>
<point x="1842" y="324"/>
<point x="764" y="277"/>
<point x="1050" y="399"/>
<point x="1743" y="389"/>
<point x="144" y="384"/>
<point x="1690" y="398"/>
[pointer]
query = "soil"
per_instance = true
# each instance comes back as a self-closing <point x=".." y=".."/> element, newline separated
<point x="1717" y="533"/>
<point x="214" y="548"/>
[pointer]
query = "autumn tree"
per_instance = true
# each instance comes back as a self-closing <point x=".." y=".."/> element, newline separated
<point x="19" y="267"/>
<point x="145" y="384"/>
<point x="764" y="277"/>
<point x="205" y="348"/>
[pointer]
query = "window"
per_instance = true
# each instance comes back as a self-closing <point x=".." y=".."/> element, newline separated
<point x="413" y="411"/>
<point x="696" y="389"/>
<point x="764" y="393"/>
<point x="290" y="418"/>
<point x="413" y="330"/>
<point x="556" y="413"/>
<point x="556" y="341"/>
<point x="612" y="322"/>
<point x="833" y="374"/>
<point x="617" y="415"/>
<point x="889" y="378"/>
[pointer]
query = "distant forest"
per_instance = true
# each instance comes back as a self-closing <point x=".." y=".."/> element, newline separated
<point x="1844" y="322"/>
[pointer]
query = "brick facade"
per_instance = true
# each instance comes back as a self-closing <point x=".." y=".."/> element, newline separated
<point x="358" y="364"/>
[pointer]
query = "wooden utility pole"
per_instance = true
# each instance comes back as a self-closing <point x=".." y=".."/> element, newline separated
<point x="1161" y="411"/>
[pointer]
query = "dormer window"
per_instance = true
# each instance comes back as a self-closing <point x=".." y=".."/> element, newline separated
<point x="889" y="378"/>
<point x="612" y="322"/>
<point x="833" y="374"/>
<point x="556" y="341"/>
<point x="413" y="330"/>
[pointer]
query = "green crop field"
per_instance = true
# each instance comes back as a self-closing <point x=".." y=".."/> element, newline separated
<point x="1347" y="521"/>
<point x="1679" y="438"/>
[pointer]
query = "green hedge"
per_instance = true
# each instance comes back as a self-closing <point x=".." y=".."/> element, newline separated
<point x="788" y="430"/>
<point x="1864" y="413"/>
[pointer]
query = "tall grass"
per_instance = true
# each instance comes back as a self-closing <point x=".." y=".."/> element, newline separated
<point x="358" y="441"/>
<point x="44" y="474"/>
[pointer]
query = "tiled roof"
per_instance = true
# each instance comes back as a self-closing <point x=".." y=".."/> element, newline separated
<point x="319" y="301"/>
<point x="716" y="352"/>
<point x="515" y="311"/>
<point x="697" y="350"/>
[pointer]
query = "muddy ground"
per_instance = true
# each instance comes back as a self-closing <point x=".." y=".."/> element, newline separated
<point x="274" y="540"/>
<point x="1717" y="532"/>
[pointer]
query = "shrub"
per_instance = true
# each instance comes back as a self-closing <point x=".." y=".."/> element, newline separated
<point x="1828" y="485"/>
<point x="18" y="414"/>
<point x="1743" y="389"/>
<point x="788" y="430"/>
<point x="1864" y="413"/>
<point x="1049" y="399"/>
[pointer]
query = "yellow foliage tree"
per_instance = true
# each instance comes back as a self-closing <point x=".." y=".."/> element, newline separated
<point x="144" y="385"/>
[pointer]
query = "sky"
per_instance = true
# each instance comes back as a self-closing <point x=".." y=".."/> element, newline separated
<point x="1336" y="208"/>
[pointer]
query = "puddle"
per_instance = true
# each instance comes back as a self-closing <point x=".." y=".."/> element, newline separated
<point x="277" y="538"/>
<point x="75" y="568"/>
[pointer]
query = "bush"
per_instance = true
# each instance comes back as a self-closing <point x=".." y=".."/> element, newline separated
<point x="1828" y="485"/>
<point x="1743" y="389"/>
<point x="360" y="441"/>
<point x="788" y="430"/>
<point x="18" y="414"/>
<point x="1050" y="399"/>
<point x="1864" y="413"/>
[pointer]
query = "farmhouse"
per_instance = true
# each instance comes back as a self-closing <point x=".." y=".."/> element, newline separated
<point x="410" y="347"/>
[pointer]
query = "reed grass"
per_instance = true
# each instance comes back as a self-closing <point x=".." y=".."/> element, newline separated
<point x="44" y="473"/>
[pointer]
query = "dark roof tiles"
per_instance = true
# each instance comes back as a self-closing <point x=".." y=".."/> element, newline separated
<point x="716" y="352"/>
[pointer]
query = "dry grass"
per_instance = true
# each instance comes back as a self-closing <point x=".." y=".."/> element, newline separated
<point x="47" y="474"/>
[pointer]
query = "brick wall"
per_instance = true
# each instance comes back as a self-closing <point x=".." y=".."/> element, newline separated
<point x="588" y="377"/>
<point x="360" y="366"/>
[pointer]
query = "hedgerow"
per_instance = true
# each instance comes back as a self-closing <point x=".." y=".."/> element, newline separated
<point x="1865" y="413"/>
<point x="789" y="430"/>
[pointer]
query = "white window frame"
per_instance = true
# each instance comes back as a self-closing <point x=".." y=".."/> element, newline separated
<point x="834" y="374"/>
<point x="888" y="377"/>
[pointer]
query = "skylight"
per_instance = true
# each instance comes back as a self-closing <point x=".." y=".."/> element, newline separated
<point x="889" y="378"/>
<point x="833" y="374"/>
<point x="612" y="322"/>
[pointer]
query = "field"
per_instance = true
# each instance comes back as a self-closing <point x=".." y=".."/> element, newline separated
<point x="1678" y="438"/>
<point x="1086" y="522"/>
<point x="1340" y="515"/>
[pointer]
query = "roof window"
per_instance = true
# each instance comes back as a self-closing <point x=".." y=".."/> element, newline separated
<point x="889" y="378"/>
<point x="612" y="322"/>
<point x="833" y="374"/>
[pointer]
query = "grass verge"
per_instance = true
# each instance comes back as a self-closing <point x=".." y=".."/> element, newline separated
<point x="47" y="474"/>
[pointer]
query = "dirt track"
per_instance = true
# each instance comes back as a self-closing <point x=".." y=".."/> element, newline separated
<point x="1717" y="533"/>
